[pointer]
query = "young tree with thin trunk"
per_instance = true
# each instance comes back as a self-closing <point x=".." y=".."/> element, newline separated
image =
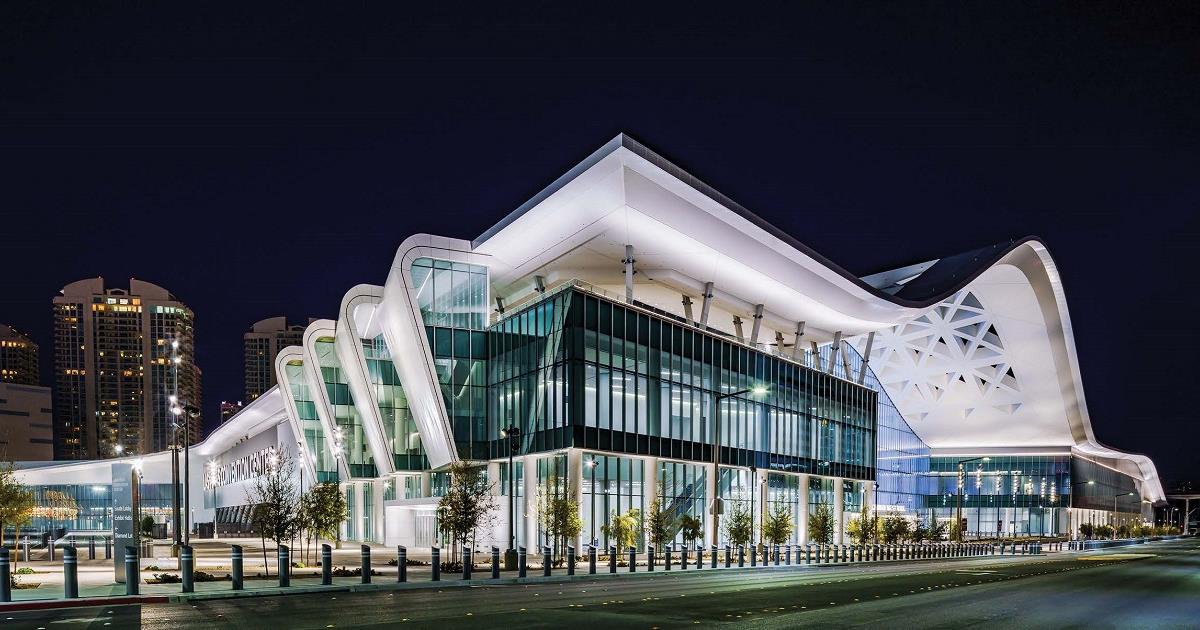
<point x="778" y="525"/>
<point x="16" y="504"/>
<point x="275" y="500"/>
<point x="467" y="505"/>
<point x="820" y="524"/>
<point x="739" y="525"/>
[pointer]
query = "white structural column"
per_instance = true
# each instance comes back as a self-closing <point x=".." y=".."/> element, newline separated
<point x="575" y="484"/>
<point x="803" y="525"/>
<point x="358" y="304"/>
<point x="529" y="483"/>
<point x="711" y="527"/>
<point x="839" y="502"/>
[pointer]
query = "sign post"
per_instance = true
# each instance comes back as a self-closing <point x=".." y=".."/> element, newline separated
<point x="124" y="516"/>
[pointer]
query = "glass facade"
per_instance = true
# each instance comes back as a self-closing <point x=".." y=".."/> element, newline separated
<point x="350" y="437"/>
<point x="1004" y="496"/>
<point x="76" y="507"/>
<point x="310" y="422"/>
<point x="399" y="427"/>
<point x="783" y="491"/>
<point x="681" y="491"/>
<point x="612" y="485"/>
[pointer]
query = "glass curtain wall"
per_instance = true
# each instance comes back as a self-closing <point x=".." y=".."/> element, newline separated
<point x="1008" y="495"/>
<point x="783" y="491"/>
<point x="452" y="298"/>
<point x="681" y="492"/>
<point x="355" y="449"/>
<point x="612" y="486"/>
<point x="310" y="422"/>
<point x="399" y="427"/>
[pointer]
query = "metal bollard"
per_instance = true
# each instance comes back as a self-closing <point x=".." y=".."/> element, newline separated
<point x="741" y="556"/>
<point x="91" y="547"/>
<point x="787" y="551"/>
<point x="632" y="559"/>
<point x="495" y="562"/>
<point x="591" y="559"/>
<point x="776" y="555"/>
<point x="649" y="557"/>
<point x="364" y="555"/>
<point x="612" y="558"/>
<point x="5" y="577"/>
<point x="699" y="556"/>
<point x="235" y="569"/>
<point x="667" y="551"/>
<point x="712" y="557"/>
<point x="187" y="568"/>
<point x="132" y="575"/>
<point x="107" y="549"/>
<point x="435" y="555"/>
<point x="468" y="562"/>
<point x="753" y="555"/>
<point x="522" y="567"/>
<point x="728" y="555"/>
<point x="766" y="554"/>
<point x="70" y="573"/>
<point x="545" y="561"/>
<point x="50" y="547"/>
<point x="25" y="549"/>
<point x="570" y="560"/>
<point x="401" y="563"/>
<point x="284" y="564"/>
<point x="683" y="558"/>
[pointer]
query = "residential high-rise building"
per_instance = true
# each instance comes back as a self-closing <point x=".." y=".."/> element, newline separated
<point x="18" y="357"/>
<point x="26" y="433"/>
<point x="120" y="355"/>
<point x="264" y="341"/>
<point x="229" y="410"/>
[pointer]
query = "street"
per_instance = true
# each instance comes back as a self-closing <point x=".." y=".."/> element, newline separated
<point x="1152" y="585"/>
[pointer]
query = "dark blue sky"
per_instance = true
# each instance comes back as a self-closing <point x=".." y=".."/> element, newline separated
<point x="261" y="161"/>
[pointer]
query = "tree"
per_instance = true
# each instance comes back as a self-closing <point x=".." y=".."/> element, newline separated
<point x="1104" y="531"/>
<point x="622" y="529"/>
<point x="558" y="514"/>
<point x="659" y="524"/>
<point x="16" y="502"/>
<point x="739" y="525"/>
<point x="937" y="531"/>
<point x="895" y="529"/>
<point x="820" y="524"/>
<point x="324" y="510"/>
<point x="467" y="504"/>
<point x="863" y="529"/>
<point x="692" y="528"/>
<point x="1086" y="530"/>
<point x="778" y="525"/>
<point x="275" y="501"/>
<point x="147" y="526"/>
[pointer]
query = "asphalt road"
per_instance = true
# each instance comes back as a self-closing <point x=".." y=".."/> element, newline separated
<point x="1148" y="586"/>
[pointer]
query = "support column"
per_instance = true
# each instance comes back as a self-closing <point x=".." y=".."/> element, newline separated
<point x="803" y="524"/>
<point x="833" y="351"/>
<point x="796" y="349"/>
<point x="708" y="293"/>
<point x="816" y="355"/>
<point x="866" y="358"/>
<point x="628" y="262"/>
<point x="839" y="503"/>
<point x="737" y="329"/>
<point x="758" y="315"/>
<point x="575" y="484"/>
<point x="711" y="531"/>
<point x="529" y="502"/>
<point x="687" y="309"/>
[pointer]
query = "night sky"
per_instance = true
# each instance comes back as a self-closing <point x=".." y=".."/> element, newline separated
<point x="260" y="162"/>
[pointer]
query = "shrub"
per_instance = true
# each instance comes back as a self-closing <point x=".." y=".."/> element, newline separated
<point x="165" y="578"/>
<point x="355" y="572"/>
<point x="25" y="571"/>
<point x="204" y="576"/>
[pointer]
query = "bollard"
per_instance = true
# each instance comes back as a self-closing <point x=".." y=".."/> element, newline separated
<point x="235" y="569"/>
<point x="649" y="557"/>
<point x="50" y="547"/>
<point x="468" y="562"/>
<point x="132" y="575"/>
<point x="284" y="564"/>
<point x="766" y="555"/>
<point x="712" y="562"/>
<point x="495" y="562"/>
<point x="107" y="549"/>
<point x="632" y="559"/>
<point x="70" y="573"/>
<point x="788" y="555"/>
<point x="5" y="577"/>
<point x="187" y="568"/>
<point x="753" y="555"/>
<point x="683" y="558"/>
<point x="364" y="556"/>
<point x="591" y="559"/>
<point x="699" y="556"/>
<point x="612" y="558"/>
<point x="545" y="561"/>
<point x="91" y="547"/>
<point x="25" y="549"/>
<point x="741" y="556"/>
<point x="435" y="555"/>
<point x="776" y="555"/>
<point x="668" y="557"/>
<point x="570" y="560"/>
<point x="401" y="563"/>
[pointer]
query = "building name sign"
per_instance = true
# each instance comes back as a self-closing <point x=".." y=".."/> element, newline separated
<point x="245" y="468"/>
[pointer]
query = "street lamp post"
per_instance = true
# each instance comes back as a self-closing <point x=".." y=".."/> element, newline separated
<point x="717" y="506"/>
<point x="513" y="433"/>
<point x="1115" y="497"/>
<point x="962" y="482"/>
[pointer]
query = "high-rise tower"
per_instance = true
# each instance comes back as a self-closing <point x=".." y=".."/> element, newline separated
<point x="265" y="339"/>
<point x="120" y="355"/>
<point x="18" y="357"/>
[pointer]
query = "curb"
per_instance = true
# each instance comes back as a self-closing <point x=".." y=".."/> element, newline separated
<point x="82" y="602"/>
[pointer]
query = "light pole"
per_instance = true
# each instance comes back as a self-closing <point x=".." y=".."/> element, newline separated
<point x="962" y="482"/>
<point x="1071" y="499"/>
<point x="1115" y="496"/>
<point x="513" y="433"/>
<point x="717" y="506"/>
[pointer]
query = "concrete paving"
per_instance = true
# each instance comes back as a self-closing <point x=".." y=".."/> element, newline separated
<point x="1147" y="586"/>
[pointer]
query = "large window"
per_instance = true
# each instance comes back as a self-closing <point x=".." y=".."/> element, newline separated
<point x="399" y="427"/>
<point x="611" y="486"/>
<point x="310" y="422"/>
<point x="681" y="493"/>
<point x="350" y="438"/>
